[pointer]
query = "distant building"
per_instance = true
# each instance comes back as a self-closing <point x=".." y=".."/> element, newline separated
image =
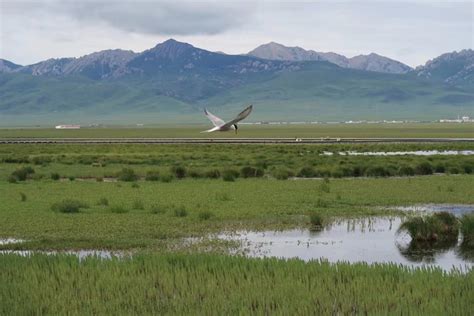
<point x="68" y="126"/>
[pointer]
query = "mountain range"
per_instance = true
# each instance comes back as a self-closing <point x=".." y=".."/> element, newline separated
<point x="172" y="81"/>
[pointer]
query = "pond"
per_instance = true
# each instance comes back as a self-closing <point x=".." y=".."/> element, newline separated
<point x="370" y="240"/>
<point x="403" y="153"/>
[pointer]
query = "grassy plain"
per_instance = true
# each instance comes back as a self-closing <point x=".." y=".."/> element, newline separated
<point x="153" y="218"/>
<point x="409" y="130"/>
<point x="221" y="285"/>
<point x="243" y="204"/>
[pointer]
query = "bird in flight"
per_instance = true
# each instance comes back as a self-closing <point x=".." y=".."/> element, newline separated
<point x="221" y="126"/>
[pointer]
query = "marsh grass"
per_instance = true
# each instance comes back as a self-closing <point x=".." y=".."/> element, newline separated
<point x="211" y="284"/>
<point x="180" y="211"/>
<point x="127" y="174"/>
<point x="118" y="209"/>
<point x="138" y="205"/>
<point x="157" y="209"/>
<point x="316" y="220"/>
<point x="467" y="230"/>
<point x="103" y="201"/>
<point x="69" y="206"/>
<point x="205" y="215"/>
<point x="438" y="227"/>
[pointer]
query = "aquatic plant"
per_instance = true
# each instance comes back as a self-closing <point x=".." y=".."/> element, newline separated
<point x="316" y="219"/>
<point x="467" y="230"/>
<point x="211" y="284"/>
<point x="440" y="226"/>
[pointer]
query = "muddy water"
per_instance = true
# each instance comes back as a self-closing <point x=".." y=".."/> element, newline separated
<point x="371" y="240"/>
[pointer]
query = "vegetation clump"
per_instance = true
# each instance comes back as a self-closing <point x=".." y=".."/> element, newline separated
<point x="205" y="215"/>
<point x="251" y="172"/>
<point x="166" y="178"/>
<point x="103" y="201"/>
<point x="179" y="172"/>
<point x="157" y="209"/>
<point x="23" y="197"/>
<point x="467" y="230"/>
<point x="68" y="206"/>
<point x="230" y="175"/>
<point x="138" y="205"/>
<point x="282" y="174"/>
<point x="118" y="209"/>
<point x="442" y="226"/>
<point x="180" y="211"/>
<point x="127" y="174"/>
<point x="55" y="176"/>
<point x="316" y="220"/>
<point x="213" y="174"/>
<point x="21" y="174"/>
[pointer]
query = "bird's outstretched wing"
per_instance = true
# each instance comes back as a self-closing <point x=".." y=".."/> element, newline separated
<point x="214" y="119"/>
<point x="239" y="117"/>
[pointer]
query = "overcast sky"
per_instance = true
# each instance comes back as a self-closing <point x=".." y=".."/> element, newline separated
<point x="409" y="31"/>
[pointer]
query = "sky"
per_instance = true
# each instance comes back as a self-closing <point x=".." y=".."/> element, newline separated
<point x="409" y="31"/>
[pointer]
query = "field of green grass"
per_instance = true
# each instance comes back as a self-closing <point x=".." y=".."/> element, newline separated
<point x="55" y="197"/>
<point x="409" y="130"/>
<point x="149" y="215"/>
<point x="221" y="285"/>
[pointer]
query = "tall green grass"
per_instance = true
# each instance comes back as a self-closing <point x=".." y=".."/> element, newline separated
<point x="221" y="285"/>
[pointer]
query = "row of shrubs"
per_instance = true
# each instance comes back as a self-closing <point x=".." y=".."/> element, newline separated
<point x="281" y="173"/>
<point x="74" y="206"/>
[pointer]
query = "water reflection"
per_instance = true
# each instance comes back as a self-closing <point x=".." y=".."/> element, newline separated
<point x="371" y="240"/>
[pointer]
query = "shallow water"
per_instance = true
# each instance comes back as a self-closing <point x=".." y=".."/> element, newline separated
<point x="371" y="240"/>
<point x="456" y="209"/>
<point x="403" y="153"/>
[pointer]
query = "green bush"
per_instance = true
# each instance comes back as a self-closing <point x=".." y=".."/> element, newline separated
<point x="55" y="176"/>
<point x="316" y="220"/>
<point x="406" y="171"/>
<point x="138" y="205"/>
<point x="251" y="172"/>
<point x="22" y="197"/>
<point x="180" y="211"/>
<point x="157" y="209"/>
<point x="135" y="185"/>
<point x="68" y="206"/>
<point x="118" y="209"/>
<point x="440" y="226"/>
<point x="179" y="172"/>
<point x="307" y="172"/>
<point x="282" y="174"/>
<point x="424" y="168"/>
<point x="103" y="201"/>
<point x="230" y="175"/>
<point x="195" y="174"/>
<point x="205" y="215"/>
<point x="166" y="178"/>
<point x="213" y="174"/>
<point x="22" y="174"/>
<point x="152" y="175"/>
<point x="377" y="171"/>
<point x="127" y="174"/>
<point x="467" y="230"/>
<point x="12" y="179"/>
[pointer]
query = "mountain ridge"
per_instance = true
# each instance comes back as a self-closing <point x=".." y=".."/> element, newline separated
<point x="370" y="62"/>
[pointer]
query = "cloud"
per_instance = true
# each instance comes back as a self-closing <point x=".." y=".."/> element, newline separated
<point x="145" y="17"/>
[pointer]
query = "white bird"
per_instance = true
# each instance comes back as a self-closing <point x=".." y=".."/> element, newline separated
<point x="221" y="126"/>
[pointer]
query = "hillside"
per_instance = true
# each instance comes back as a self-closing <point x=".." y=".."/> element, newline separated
<point x="371" y="62"/>
<point x="173" y="81"/>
